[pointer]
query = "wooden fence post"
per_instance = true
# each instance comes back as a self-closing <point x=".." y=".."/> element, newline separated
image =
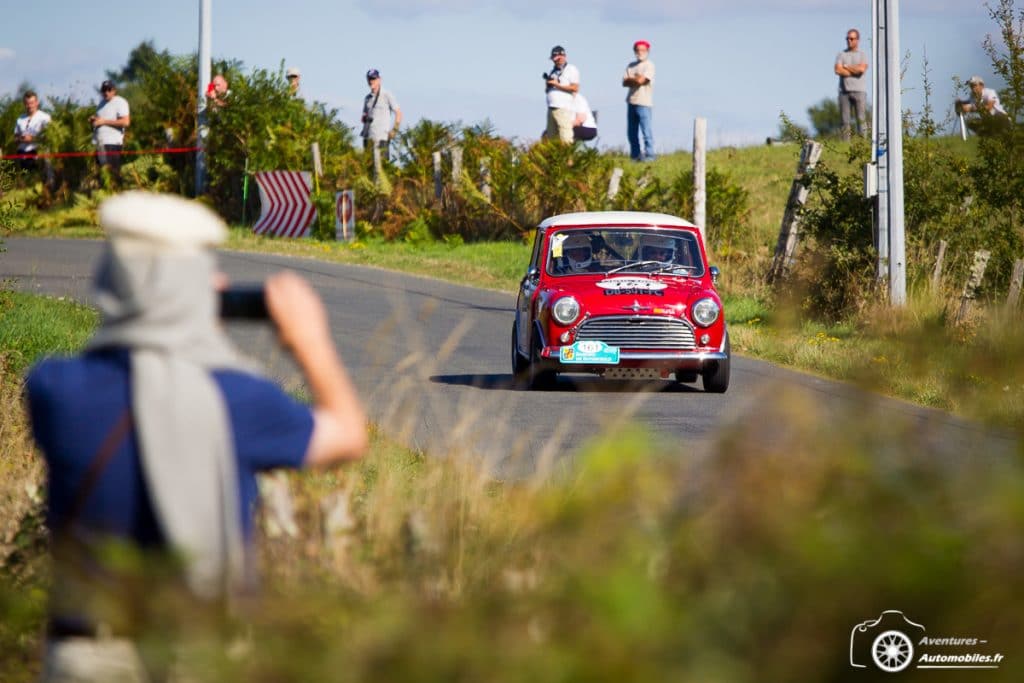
<point x="937" y="272"/>
<point x="790" y="230"/>
<point x="438" y="180"/>
<point x="973" y="282"/>
<point x="378" y="167"/>
<point x="485" y="177"/>
<point x="456" y="165"/>
<point x="1016" y="280"/>
<point x="613" y="183"/>
<point x="700" y="134"/>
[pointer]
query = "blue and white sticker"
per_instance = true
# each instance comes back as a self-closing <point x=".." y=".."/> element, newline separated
<point x="589" y="352"/>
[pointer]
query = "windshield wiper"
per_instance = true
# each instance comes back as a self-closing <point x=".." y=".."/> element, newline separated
<point x="638" y="264"/>
<point x="674" y="267"/>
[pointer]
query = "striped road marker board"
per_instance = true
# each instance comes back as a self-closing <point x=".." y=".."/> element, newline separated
<point x="285" y="206"/>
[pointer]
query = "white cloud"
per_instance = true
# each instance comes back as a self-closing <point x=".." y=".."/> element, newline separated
<point x="6" y="53"/>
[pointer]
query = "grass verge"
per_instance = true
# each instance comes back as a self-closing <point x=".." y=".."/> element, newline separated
<point x="645" y="563"/>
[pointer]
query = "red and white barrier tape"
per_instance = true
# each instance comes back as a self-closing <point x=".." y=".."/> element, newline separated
<point x="62" y="155"/>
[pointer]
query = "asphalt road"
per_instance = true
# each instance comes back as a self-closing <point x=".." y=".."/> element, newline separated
<point x="431" y="360"/>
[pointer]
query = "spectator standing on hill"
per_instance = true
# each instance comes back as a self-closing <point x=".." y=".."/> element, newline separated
<point x="108" y="126"/>
<point x="639" y="78"/>
<point x="294" y="77"/>
<point x="560" y="85"/>
<point x="851" y="65"/>
<point x="154" y="434"/>
<point x="985" y="102"/>
<point x="379" y="107"/>
<point x="584" y="124"/>
<point x="28" y="128"/>
<point x="217" y="91"/>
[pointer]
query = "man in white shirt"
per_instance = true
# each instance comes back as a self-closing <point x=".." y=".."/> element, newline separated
<point x="985" y="102"/>
<point x="108" y="126"/>
<point x="28" y="128"/>
<point x="561" y="84"/>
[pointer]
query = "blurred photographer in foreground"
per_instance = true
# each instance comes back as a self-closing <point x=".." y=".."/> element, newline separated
<point x="985" y="102"/>
<point x="153" y="436"/>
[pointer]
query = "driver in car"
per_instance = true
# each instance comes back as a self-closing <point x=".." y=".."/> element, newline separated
<point x="579" y="254"/>
<point x="657" y="248"/>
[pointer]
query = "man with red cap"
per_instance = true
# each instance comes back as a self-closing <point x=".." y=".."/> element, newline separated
<point x="639" y="79"/>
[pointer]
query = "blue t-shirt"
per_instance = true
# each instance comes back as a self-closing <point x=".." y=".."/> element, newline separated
<point x="74" y="404"/>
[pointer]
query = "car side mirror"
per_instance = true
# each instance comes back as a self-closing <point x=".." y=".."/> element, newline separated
<point x="532" y="275"/>
<point x="714" y="274"/>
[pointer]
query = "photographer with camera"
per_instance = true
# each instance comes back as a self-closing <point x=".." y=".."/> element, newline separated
<point x="378" y="107"/>
<point x="153" y="436"/>
<point x="984" y="102"/>
<point x="560" y="85"/>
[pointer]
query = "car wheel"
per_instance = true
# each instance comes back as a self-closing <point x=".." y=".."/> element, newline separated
<point x="538" y="377"/>
<point x="519" y="362"/>
<point x="716" y="373"/>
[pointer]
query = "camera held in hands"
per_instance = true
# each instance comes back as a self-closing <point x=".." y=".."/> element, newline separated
<point x="244" y="302"/>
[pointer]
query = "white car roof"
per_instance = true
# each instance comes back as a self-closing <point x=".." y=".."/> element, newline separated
<point x="616" y="218"/>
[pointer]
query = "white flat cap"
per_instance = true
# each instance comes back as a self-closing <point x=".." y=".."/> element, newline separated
<point x="292" y="71"/>
<point x="163" y="221"/>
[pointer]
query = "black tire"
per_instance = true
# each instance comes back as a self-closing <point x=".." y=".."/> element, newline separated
<point x="537" y="377"/>
<point x="716" y="374"/>
<point x="519" y="362"/>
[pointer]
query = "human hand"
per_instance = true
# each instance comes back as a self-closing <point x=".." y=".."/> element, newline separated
<point x="392" y="133"/>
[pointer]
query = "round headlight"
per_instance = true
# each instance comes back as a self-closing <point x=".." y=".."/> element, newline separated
<point x="705" y="312"/>
<point x="566" y="310"/>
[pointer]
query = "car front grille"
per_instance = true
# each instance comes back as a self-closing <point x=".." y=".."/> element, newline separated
<point x="639" y="332"/>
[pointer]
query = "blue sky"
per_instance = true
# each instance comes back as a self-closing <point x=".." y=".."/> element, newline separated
<point x="737" y="63"/>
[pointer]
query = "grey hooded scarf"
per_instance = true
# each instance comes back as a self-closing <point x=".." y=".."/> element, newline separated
<point x="155" y="295"/>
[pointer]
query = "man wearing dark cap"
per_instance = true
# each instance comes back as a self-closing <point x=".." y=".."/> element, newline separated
<point x="639" y="78"/>
<point x="379" y="106"/>
<point x="108" y="126"/>
<point x="561" y="85"/>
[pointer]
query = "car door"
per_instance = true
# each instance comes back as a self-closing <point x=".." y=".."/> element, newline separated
<point x="527" y="288"/>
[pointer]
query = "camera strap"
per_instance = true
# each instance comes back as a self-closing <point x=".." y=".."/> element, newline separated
<point x="114" y="438"/>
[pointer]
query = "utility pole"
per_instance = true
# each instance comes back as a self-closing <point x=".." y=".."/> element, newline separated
<point x="887" y="148"/>
<point x="205" y="40"/>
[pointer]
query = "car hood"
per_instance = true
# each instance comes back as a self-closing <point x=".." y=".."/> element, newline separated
<point x="610" y="294"/>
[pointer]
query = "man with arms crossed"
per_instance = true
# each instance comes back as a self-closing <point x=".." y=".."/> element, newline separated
<point x="108" y="124"/>
<point x="851" y="65"/>
<point x="639" y="79"/>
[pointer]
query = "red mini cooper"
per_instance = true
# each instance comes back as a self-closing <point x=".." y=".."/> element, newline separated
<point x="621" y="294"/>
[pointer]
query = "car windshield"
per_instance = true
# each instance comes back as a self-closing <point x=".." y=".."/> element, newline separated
<point x="623" y="250"/>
